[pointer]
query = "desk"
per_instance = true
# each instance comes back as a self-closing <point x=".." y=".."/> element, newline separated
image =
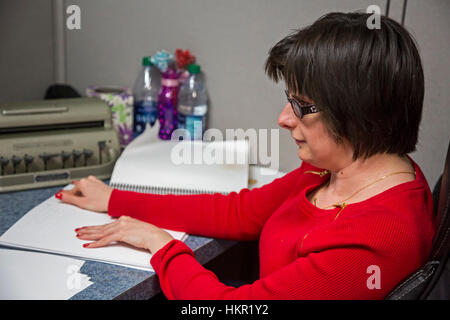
<point x="112" y="281"/>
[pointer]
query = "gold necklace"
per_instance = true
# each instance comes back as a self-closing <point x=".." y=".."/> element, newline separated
<point x="343" y="204"/>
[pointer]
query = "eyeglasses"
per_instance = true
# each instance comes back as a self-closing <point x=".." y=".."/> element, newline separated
<point x="301" y="110"/>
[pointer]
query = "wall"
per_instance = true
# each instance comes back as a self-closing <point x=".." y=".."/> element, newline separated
<point x="26" y="54"/>
<point x="429" y="22"/>
<point x="230" y="39"/>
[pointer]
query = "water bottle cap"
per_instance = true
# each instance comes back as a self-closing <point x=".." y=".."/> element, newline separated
<point x="146" y="61"/>
<point x="193" y="68"/>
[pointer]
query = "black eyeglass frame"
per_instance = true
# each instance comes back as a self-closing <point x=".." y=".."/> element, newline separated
<point x="301" y="110"/>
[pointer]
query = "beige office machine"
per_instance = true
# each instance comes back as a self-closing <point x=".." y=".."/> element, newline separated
<point x="52" y="142"/>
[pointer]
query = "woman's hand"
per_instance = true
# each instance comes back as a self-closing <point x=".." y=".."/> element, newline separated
<point x="89" y="193"/>
<point x="126" y="229"/>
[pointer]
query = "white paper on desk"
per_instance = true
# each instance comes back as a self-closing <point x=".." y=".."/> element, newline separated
<point x="50" y="226"/>
<point x="149" y="164"/>
<point x="26" y="275"/>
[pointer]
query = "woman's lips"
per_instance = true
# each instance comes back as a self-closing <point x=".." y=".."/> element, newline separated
<point x="298" y="142"/>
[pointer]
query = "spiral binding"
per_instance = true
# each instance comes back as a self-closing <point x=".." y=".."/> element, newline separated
<point x="160" y="190"/>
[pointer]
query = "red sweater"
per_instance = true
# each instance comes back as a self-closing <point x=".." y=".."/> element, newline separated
<point x="305" y="252"/>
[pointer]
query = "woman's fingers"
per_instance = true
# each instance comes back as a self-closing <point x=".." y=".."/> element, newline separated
<point x="96" y="235"/>
<point x="113" y="237"/>
<point x="88" y="193"/>
<point x="96" y="229"/>
<point x="102" y="235"/>
<point x="90" y="236"/>
<point x="131" y="231"/>
<point x="73" y="196"/>
<point x="75" y="191"/>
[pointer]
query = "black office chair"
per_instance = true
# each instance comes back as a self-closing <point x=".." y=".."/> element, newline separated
<point x="420" y="284"/>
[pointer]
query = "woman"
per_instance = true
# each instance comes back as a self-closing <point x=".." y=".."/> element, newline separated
<point x="351" y="222"/>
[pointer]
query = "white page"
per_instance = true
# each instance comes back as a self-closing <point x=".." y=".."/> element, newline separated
<point x="50" y="226"/>
<point x="28" y="275"/>
<point x="220" y="166"/>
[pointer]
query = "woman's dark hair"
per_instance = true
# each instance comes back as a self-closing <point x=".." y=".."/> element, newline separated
<point x="368" y="83"/>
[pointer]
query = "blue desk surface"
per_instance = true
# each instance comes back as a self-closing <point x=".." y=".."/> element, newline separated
<point x="110" y="281"/>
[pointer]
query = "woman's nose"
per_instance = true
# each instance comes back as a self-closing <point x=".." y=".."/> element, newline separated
<point x="287" y="118"/>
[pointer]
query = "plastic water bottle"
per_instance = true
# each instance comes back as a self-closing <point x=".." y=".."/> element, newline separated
<point x="167" y="104"/>
<point x="193" y="104"/>
<point x="145" y="92"/>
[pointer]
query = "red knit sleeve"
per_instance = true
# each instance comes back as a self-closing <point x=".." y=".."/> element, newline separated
<point x="340" y="273"/>
<point x="362" y="258"/>
<point x="237" y="216"/>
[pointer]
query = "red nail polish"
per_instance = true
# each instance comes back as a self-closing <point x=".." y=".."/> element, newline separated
<point x="76" y="230"/>
<point x="58" y="195"/>
<point x="86" y="245"/>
